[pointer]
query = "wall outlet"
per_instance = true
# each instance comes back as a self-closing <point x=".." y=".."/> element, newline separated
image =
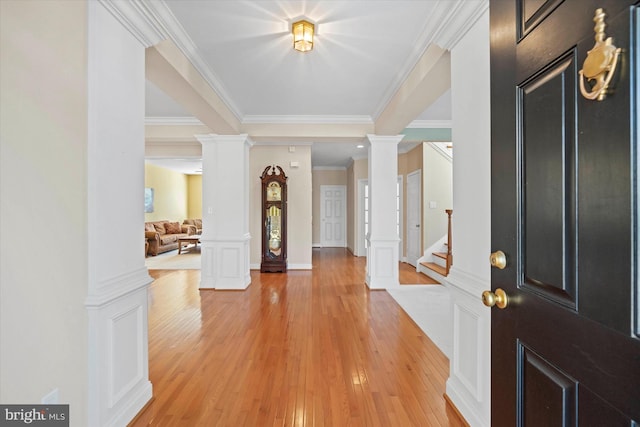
<point x="433" y="205"/>
<point x="50" y="398"/>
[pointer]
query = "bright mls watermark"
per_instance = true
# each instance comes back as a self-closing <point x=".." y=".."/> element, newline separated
<point x="36" y="415"/>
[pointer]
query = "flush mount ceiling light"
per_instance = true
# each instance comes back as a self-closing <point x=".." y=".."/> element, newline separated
<point x="302" y="35"/>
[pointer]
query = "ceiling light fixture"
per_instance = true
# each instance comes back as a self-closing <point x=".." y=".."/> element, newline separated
<point x="302" y="35"/>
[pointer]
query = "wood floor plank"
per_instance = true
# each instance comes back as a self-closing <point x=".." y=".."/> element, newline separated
<point x="305" y="348"/>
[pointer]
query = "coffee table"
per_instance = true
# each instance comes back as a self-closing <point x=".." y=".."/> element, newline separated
<point x="193" y="239"/>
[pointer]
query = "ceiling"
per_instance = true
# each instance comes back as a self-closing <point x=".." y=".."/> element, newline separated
<point x="364" y="53"/>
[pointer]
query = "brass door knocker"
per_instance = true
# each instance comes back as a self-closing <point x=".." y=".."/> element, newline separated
<point x="601" y="62"/>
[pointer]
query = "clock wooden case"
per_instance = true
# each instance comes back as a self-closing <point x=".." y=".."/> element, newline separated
<point x="274" y="220"/>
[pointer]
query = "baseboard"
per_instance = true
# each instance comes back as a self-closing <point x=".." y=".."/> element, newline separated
<point x="134" y="407"/>
<point x="316" y="245"/>
<point x="455" y="410"/>
<point x="141" y="411"/>
<point x="463" y="405"/>
<point x="299" y="266"/>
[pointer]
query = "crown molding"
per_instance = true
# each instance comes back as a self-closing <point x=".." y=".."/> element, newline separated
<point x="151" y="21"/>
<point x="329" y="168"/>
<point x="160" y="13"/>
<point x="172" y="121"/>
<point x="458" y="21"/>
<point x="331" y="120"/>
<point x="455" y="20"/>
<point x="430" y="124"/>
<point x="284" y="144"/>
<point x="137" y="19"/>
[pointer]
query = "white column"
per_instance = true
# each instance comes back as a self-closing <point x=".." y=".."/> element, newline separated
<point x="225" y="211"/>
<point x="383" y="252"/>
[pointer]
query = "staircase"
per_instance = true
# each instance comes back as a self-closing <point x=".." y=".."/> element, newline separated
<point x="441" y="262"/>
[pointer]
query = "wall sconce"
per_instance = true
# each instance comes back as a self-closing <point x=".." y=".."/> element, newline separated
<point x="302" y="35"/>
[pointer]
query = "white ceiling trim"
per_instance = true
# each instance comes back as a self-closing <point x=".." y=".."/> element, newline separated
<point x="192" y="121"/>
<point x="430" y="124"/>
<point x="458" y="21"/>
<point x="135" y="17"/>
<point x="160" y="13"/>
<point x="451" y="29"/>
<point x="155" y="17"/>
<point x="329" y="168"/>
<point x="357" y="120"/>
<point x="172" y="150"/>
<point x="172" y="121"/>
<point x="284" y="144"/>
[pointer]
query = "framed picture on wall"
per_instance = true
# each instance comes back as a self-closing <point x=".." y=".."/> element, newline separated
<point x="148" y="200"/>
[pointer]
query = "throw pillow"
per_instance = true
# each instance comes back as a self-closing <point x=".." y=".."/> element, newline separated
<point x="198" y="223"/>
<point x="149" y="227"/>
<point x="160" y="227"/>
<point x="172" y="227"/>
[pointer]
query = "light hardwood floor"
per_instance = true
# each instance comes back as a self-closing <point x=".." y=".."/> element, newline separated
<point x="306" y="348"/>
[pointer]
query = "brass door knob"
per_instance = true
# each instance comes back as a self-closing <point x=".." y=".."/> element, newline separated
<point x="499" y="298"/>
<point x="498" y="260"/>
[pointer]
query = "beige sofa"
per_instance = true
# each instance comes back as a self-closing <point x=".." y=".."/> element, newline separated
<point x="163" y="235"/>
<point x="197" y="222"/>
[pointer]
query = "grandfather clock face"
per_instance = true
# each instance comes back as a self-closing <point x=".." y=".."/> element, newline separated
<point x="274" y="192"/>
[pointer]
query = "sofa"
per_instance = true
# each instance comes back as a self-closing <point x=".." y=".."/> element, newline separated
<point x="162" y="236"/>
<point x="197" y="222"/>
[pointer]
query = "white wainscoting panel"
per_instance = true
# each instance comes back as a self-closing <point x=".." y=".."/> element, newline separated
<point x="118" y="355"/>
<point x="225" y="263"/>
<point x="469" y="383"/>
<point x="382" y="264"/>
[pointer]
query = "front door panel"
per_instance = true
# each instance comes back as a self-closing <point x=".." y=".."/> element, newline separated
<point x="564" y="211"/>
<point x="547" y="159"/>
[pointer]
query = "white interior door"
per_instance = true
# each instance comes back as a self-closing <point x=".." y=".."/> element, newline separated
<point x="363" y="215"/>
<point x="333" y="205"/>
<point x="414" y="222"/>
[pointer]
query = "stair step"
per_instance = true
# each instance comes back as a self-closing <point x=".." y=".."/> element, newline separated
<point x="442" y="255"/>
<point x="435" y="267"/>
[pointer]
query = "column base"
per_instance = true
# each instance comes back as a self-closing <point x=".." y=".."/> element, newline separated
<point x="225" y="263"/>
<point x="382" y="264"/>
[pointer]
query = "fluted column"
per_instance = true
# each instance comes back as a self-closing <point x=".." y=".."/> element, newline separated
<point x="225" y="211"/>
<point x="383" y="251"/>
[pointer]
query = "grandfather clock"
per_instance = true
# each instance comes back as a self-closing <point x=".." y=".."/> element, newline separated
<point x="274" y="220"/>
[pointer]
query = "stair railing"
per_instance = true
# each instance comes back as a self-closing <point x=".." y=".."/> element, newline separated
<point x="449" y="245"/>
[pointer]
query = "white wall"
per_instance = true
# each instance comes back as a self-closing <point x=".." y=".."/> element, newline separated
<point x="43" y="197"/>
<point x="469" y="384"/>
<point x="299" y="206"/>
<point x="438" y="188"/>
<point x="117" y="278"/>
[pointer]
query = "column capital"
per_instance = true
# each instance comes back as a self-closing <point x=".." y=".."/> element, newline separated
<point x="213" y="137"/>
<point x="389" y="139"/>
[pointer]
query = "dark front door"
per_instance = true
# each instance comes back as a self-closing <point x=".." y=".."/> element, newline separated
<point x="566" y="348"/>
